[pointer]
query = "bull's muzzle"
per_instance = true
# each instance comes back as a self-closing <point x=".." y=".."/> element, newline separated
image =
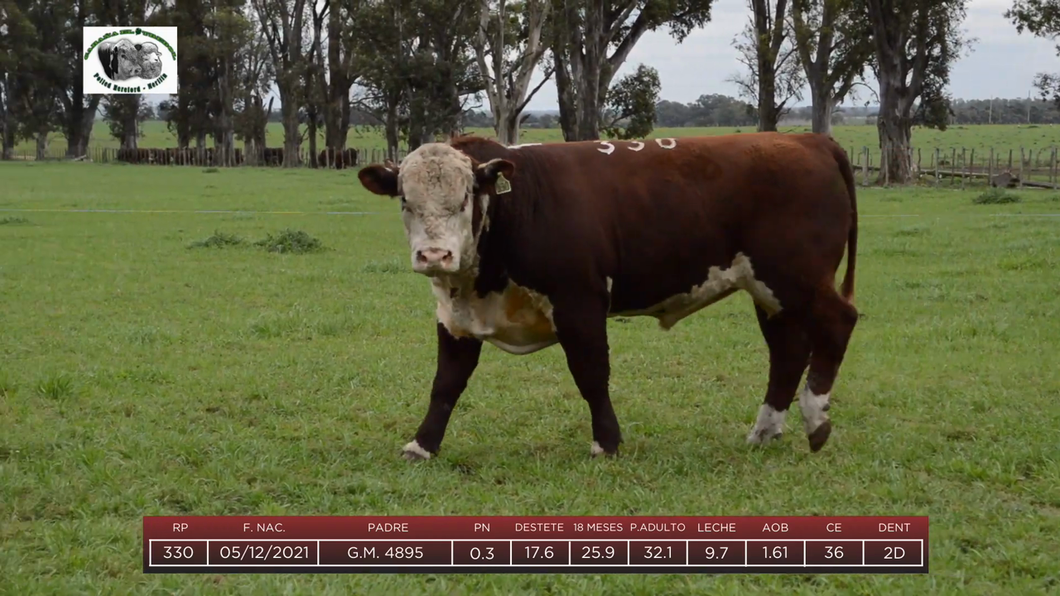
<point x="434" y="260"/>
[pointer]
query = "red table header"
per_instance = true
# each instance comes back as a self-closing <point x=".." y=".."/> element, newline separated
<point x="534" y="527"/>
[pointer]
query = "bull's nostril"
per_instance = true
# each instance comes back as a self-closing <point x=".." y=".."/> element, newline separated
<point x="420" y="258"/>
<point x="448" y="256"/>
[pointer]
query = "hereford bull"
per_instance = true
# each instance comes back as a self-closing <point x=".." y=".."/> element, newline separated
<point x="533" y="245"/>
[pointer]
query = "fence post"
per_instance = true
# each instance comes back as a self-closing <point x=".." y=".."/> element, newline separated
<point x="990" y="169"/>
<point x="865" y="168"/>
<point x="964" y="164"/>
<point x="938" y="158"/>
<point x="971" y="164"/>
<point x="1021" y="167"/>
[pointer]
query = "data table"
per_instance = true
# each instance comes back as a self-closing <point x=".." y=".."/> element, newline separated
<point x="536" y="544"/>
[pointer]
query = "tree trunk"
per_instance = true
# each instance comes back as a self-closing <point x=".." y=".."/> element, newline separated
<point x="568" y="115"/>
<point x="224" y="138"/>
<point x="128" y="123"/>
<point x="895" y="128"/>
<point x="42" y="145"/>
<point x="344" y="121"/>
<point x="508" y="130"/>
<point x="312" y="130"/>
<point x="7" y="134"/>
<point x="393" y="134"/>
<point x="291" y="140"/>
<point x="183" y="119"/>
<point x="822" y="110"/>
<point x="767" y="93"/>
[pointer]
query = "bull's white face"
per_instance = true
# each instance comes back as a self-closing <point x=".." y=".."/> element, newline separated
<point x="437" y="191"/>
<point x="438" y="187"/>
<point x="150" y="60"/>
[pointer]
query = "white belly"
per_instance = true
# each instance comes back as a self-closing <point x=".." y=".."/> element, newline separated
<point x="720" y="284"/>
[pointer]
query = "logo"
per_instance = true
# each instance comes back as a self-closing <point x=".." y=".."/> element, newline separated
<point x="124" y="60"/>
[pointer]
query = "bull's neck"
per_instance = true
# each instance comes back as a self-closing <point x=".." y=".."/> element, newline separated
<point x="492" y="249"/>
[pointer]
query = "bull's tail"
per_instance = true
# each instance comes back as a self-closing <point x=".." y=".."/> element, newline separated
<point x="847" y="288"/>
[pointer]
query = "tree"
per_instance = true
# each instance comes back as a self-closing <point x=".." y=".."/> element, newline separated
<point x="313" y="78"/>
<point x="16" y="37"/>
<point x="1040" y="18"/>
<point x="442" y="70"/>
<point x="123" y="111"/>
<point x="632" y="100"/>
<point x="282" y="24"/>
<point x="915" y="44"/>
<point x="253" y="75"/>
<point x="590" y="41"/>
<point x="834" y="43"/>
<point x="508" y="47"/>
<point x="773" y="75"/>
<point x="341" y="72"/>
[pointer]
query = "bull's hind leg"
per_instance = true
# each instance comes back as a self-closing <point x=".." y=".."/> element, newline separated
<point x="832" y="323"/>
<point x="789" y="353"/>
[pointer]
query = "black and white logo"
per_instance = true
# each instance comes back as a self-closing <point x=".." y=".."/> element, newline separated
<point x="130" y="60"/>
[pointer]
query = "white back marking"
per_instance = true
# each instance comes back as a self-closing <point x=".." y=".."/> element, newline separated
<point x="639" y="146"/>
<point x="667" y="143"/>
<point x="607" y="148"/>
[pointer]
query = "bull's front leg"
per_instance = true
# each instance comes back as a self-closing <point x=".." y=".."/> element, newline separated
<point x="581" y="326"/>
<point x="457" y="360"/>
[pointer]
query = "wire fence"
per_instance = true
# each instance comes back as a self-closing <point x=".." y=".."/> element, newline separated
<point x="213" y="157"/>
<point x="952" y="166"/>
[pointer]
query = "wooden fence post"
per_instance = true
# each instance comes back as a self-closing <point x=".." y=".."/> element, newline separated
<point x="938" y="158"/>
<point x="865" y="168"/>
<point x="1021" y="168"/>
<point x="971" y="164"/>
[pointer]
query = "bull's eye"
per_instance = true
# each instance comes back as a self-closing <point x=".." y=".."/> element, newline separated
<point x="404" y="204"/>
<point x="464" y="204"/>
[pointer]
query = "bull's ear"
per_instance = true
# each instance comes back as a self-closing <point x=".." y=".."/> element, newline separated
<point x="486" y="174"/>
<point x="381" y="180"/>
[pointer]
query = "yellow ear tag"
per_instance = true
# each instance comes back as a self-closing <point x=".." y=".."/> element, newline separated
<point x="502" y="185"/>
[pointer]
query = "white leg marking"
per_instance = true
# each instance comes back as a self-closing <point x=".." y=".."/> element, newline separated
<point x="413" y="452"/>
<point x="770" y="425"/>
<point x="666" y="143"/>
<point x="639" y="146"/>
<point x="596" y="449"/>
<point x="814" y="409"/>
<point x="607" y="148"/>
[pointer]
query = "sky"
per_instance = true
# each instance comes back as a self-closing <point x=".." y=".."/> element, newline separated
<point x="1001" y="64"/>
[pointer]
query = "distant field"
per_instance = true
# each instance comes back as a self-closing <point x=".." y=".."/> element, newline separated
<point x="980" y="138"/>
<point x="140" y="375"/>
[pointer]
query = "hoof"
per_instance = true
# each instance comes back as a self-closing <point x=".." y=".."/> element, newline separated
<point x="763" y="436"/>
<point x="768" y="426"/>
<point x="413" y="452"/>
<point x="597" y="450"/>
<point x="820" y="436"/>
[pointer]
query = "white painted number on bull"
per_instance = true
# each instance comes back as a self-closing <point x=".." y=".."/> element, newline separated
<point x="607" y="148"/>
<point x="639" y="146"/>
<point x="666" y="143"/>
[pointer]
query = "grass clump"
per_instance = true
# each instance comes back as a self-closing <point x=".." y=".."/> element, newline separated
<point x="10" y="221"/>
<point x="218" y="240"/>
<point x="290" y="241"/>
<point x="57" y="386"/>
<point x="996" y="196"/>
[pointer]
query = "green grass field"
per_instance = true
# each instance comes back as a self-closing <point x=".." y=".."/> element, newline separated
<point x="141" y="375"/>
<point x="980" y="138"/>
